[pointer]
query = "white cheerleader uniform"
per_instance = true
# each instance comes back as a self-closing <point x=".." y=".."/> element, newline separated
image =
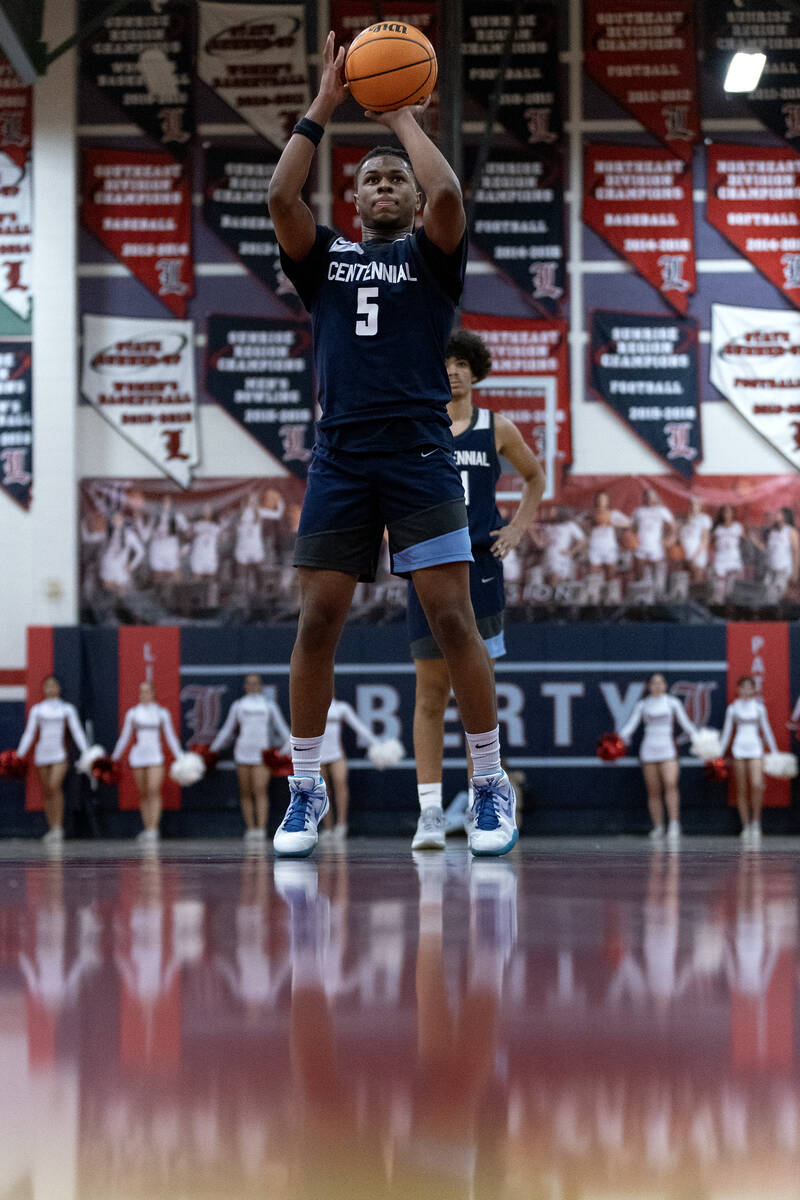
<point x="750" y="720"/>
<point x="49" y="719"/>
<point x="249" y="542"/>
<point x="204" y="557"/>
<point x="165" y="546"/>
<point x="260" y="724"/>
<point x="148" y="722"/>
<point x="779" y="551"/>
<point x="650" y="521"/>
<point x="727" y="549"/>
<point x="339" y="711"/>
<point x="560" y="540"/>
<point x="121" y="556"/>
<point x="603" y="545"/>
<point x="691" y="539"/>
<point x="658" y="714"/>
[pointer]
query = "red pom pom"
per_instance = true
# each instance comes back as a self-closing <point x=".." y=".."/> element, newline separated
<point x="279" y="764"/>
<point x="106" y="770"/>
<point x="209" y="757"/>
<point x="12" y="766"/>
<point x="716" y="770"/>
<point x="610" y="746"/>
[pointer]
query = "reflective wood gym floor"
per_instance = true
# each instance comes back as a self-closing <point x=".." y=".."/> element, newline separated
<point x="582" y="1020"/>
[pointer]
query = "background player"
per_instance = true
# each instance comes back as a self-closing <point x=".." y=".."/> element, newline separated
<point x="382" y="311"/>
<point x="480" y="437"/>
<point x="47" y="724"/>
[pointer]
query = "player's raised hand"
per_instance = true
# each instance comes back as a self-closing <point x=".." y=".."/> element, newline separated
<point x="391" y="119"/>
<point x="332" y="87"/>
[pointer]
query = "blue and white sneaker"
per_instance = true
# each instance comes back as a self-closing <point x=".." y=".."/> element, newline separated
<point x="492" y="825"/>
<point x="296" y="836"/>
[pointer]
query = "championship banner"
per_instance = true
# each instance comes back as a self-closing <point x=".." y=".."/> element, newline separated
<point x="645" y="368"/>
<point x="16" y="245"/>
<point x="518" y="222"/>
<point x="16" y="421"/>
<point x="139" y="375"/>
<point x="141" y="60"/>
<point x="16" y="116"/>
<point x="642" y="52"/>
<point x="350" y="17"/>
<point x="775" y="31"/>
<point x="640" y="202"/>
<point x="235" y="208"/>
<point x="344" y="160"/>
<point x="754" y="201"/>
<point x="261" y="372"/>
<point x="139" y="206"/>
<point x="527" y="356"/>
<point x="529" y="104"/>
<point x="254" y="57"/>
<point x="755" y="364"/>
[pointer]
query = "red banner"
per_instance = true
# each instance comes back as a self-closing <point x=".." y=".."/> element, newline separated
<point x="761" y="650"/>
<point x="16" y="121"/>
<point x="350" y="17"/>
<point x="643" y="54"/>
<point x="139" y="205"/>
<point x="754" y="201"/>
<point x="640" y="202"/>
<point x="152" y="653"/>
<point x="39" y="660"/>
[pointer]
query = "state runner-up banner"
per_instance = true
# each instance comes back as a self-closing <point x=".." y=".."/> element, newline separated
<point x="642" y="52"/>
<point x="139" y="206"/>
<point x="640" y="202"/>
<point x="16" y="421"/>
<point x="755" y="364"/>
<point x="16" y="235"/>
<point x="16" y="115"/>
<point x="260" y="370"/>
<point x="645" y="368"/>
<point x="753" y="199"/>
<point x="254" y="57"/>
<point x="141" y="59"/>
<point x="774" y="30"/>
<point x="139" y="375"/>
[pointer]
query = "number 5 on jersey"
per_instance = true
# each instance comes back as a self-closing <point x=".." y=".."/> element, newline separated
<point x="367" y="324"/>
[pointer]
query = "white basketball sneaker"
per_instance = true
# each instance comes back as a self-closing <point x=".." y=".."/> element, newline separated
<point x="492" y="825"/>
<point x="296" y="836"/>
<point x="430" y="829"/>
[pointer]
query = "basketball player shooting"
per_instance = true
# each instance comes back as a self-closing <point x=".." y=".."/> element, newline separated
<point x="382" y="311"/>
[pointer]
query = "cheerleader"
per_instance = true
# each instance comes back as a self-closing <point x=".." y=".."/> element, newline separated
<point x="727" y="565"/>
<point x="747" y="721"/>
<point x="260" y="724"/>
<point x="148" y="721"/>
<point x="603" y="542"/>
<point x="658" y="753"/>
<point x="334" y="763"/>
<point x="49" y="719"/>
<point x="165" y="548"/>
<point x="204" y="554"/>
<point x="695" y="540"/>
<point x="121" y="556"/>
<point x="655" y="530"/>
<point x="782" y="548"/>
<point x="562" y="540"/>
<point x="249" y="550"/>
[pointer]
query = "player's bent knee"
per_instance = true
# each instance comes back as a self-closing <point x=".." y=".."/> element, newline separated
<point x="453" y="629"/>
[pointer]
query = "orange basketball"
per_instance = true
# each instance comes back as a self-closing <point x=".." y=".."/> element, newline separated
<point x="389" y="66"/>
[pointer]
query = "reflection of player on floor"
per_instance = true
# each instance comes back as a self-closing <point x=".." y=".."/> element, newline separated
<point x="747" y="716"/>
<point x="334" y="762"/>
<point x="148" y="721"/>
<point x="47" y="722"/>
<point x="480" y="438"/>
<point x="382" y="312"/>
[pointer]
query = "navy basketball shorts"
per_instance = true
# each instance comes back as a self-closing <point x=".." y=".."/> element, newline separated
<point x="416" y="495"/>
<point x="488" y="598"/>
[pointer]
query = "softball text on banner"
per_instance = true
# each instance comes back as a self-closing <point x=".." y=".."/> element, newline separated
<point x="16" y="421"/>
<point x="755" y="363"/>
<point x="254" y="57"/>
<point x="645" y="368"/>
<point x="640" y="202"/>
<point x="139" y="375"/>
<point x="260" y="371"/>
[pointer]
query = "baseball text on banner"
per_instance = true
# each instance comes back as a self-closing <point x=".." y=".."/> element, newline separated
<point x="141" y="59"/>
<point x="761" y="650"/>
<point x="152" y="654"/>
<point x="755" y="363"/>
<point x="645" y="368"/>
<point x="640" y="202"/>
<point x="139" y="375"/>
<point x="642" y="52"/>
<point x="754" y="201"/>
<point x="254" y="57"/>
<point x="16" y="115"/>
<point x="260" y="371"/>
<point x="139" y="206"/>
<point x="16" y="421"/>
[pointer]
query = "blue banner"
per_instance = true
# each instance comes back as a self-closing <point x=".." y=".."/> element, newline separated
<point x="16" y="421"/>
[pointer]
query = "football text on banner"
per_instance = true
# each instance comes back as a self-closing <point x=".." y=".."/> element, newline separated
<point x="142" y="61"/>
<point x="754" y="201"/>
<point x="139" y="375"/>
<point x="152" y="654"/>
<point x="643" y="54"/>
<point x="254" y="57"/>
<point x="39" y="659"/>
<point x="640" y="202"/>
<point x="16" y="421"/>
<point x="344" y="160"/>
<point x="755" y="364"/>
<point x="761" y="650"/>
<point x="139" y="206"/>
<point x="260" y="371"/>
<point x="645" y="368"/>
<point x="16" y="116"/>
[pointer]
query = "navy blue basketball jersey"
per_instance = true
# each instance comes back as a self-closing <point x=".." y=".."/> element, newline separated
<point x="381" y="316"/>
<point x="476" y="459"/>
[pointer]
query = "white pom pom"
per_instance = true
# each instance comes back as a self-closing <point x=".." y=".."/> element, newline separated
<point x="387" y="753"/>
<point x="706" y="744"/>
<point x="88" y="758"/>
<point x="187" y="768"/>
<point x="781" y="765"/>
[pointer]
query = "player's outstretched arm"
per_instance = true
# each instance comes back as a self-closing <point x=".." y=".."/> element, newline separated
<point x="510" y="443"/>
<point x="293" y="220"/>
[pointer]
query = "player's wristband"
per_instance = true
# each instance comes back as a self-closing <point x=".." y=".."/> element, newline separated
<point x="310" y="129"/>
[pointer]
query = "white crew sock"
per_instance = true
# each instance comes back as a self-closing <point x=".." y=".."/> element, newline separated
<point x="305" y="756"/>
<point x="485" y="751"/>
<point x="428" y="794"/>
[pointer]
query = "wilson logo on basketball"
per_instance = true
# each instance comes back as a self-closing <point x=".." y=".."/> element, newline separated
<point x="387" y="27"/>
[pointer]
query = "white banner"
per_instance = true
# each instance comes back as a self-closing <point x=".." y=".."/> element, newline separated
<point x="254" y="57"/>
<point x="755" y="363"/>
<point x="139" y="375"/>
<point x="15" y="236"/>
